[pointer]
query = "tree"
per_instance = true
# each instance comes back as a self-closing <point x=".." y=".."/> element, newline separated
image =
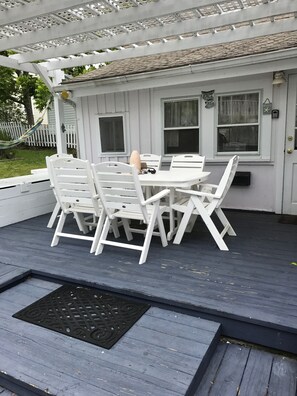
<point x="17" y="88"/>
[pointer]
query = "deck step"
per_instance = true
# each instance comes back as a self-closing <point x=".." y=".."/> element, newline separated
<point x="11" y="275"/>
<point x="164" y="353"/>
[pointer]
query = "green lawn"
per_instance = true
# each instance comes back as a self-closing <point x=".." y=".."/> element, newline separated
<point x="24" y="160"/>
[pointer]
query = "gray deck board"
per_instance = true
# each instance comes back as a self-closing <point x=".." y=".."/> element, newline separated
<point x="255" y="279"/>
<point x="159" y="355"/>
<point x="248" y="371"/>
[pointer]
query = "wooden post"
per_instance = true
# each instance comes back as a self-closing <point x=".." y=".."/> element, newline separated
<point x="59" y="116"/>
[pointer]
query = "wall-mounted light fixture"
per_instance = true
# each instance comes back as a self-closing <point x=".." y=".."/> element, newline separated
<point x="65" y="95"/>
<point x="279" y="78"/>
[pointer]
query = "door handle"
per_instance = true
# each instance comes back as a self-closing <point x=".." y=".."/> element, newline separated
<point x="290" y="151"/>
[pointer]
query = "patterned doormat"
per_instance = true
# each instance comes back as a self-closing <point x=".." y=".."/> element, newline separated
<point x="85" y="313"/>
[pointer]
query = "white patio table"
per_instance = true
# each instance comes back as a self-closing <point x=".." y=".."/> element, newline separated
<point x="171" y="179"/>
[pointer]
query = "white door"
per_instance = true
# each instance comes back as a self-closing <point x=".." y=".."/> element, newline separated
<point x="290" y="176"/>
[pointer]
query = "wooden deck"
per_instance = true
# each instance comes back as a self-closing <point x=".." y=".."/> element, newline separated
<point x="250" y="290"/>
<point x="248" y="371"/>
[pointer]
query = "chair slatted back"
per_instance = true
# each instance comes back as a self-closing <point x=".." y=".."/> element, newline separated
<point x="227" y="178"/>
<point x="187" y="161"/>
<point x="151" y="160"/>
<point x="74" y="185"/>
<point x="119" y="188"/>
<point x="48" y="165"/>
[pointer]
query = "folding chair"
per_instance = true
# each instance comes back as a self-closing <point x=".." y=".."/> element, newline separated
<point x="75" y="191"/>
<point x="184" y="161"/>
<point x="151" y="160"/>
<point x="204" y="203"/>
<point x="122" y="198"/>
<point x="57" y="208"/>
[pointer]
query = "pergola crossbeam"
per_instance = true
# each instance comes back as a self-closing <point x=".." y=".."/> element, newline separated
<point x="125" y="16"/>
<point x="164" y="31"/>
<point x="222" y="37"/>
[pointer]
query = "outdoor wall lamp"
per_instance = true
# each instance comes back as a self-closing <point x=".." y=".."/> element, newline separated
<point x="65" y="95"/>
<point x="279" y="78"/>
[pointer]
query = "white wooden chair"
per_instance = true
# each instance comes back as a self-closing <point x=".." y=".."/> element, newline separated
<point x="122" y="198"/>
<point x="57" y="207"/>
<point x="151" y="160"/>
<point x="204" y="203"/>
<point x="185" y="161"/>
<point x="75" y="191"/>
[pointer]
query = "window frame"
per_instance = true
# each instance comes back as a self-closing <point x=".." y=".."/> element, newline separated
<point x="180" y="99"/>
<point x="113" y="153"/>
<point x="259" y="124"/>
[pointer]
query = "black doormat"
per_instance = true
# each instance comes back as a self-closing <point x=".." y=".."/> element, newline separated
<point x="288" y="219"/>
<point x="85" y="313"/>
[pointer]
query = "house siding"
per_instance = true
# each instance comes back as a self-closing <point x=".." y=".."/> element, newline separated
<point x="142" y="110"/>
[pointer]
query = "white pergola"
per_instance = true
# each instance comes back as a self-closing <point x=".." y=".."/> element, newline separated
<point x="50" y="35"/>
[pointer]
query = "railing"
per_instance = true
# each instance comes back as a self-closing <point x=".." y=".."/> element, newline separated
<point x="45" y="135"/>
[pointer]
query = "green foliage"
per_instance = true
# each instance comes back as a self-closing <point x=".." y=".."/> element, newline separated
<point x="18" y="87"/>
<point x="7" y="153"/>
<point x="11" y="112"/>
<point x="24" y="161"/>
<point x="42" y="95"/>
<point x="76" y="71"/>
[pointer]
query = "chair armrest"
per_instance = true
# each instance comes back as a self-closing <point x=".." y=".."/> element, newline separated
<point x="207" y="185"/>
<point x="197" y="193"/>
<point x="156" y="197"/>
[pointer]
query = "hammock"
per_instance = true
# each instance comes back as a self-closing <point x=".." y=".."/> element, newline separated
<point x="6" y="144"/>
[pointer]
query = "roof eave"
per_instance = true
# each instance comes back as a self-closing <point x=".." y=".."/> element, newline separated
<point x="247" y="65"/>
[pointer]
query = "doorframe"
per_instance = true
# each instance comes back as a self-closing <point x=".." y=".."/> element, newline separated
<point x="292" y="81"/>
<point x="279" y="127"/>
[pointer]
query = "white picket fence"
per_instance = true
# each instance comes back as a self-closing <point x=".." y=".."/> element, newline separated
<point x="45" y="135"/>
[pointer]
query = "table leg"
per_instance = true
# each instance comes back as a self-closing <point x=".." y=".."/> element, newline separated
<point x="172" y="228"/>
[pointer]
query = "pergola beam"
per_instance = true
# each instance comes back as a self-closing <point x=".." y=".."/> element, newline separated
<point x="243" y="33"/>
<point x="14" y="64"/>
<point x="107" y="21"/>
<point x="37" y="9"/>
<point x="167" y="30"/>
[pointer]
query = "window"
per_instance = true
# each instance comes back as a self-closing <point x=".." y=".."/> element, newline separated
<point x="238" y="122"/>
<point x="112" y="134"/>
<point x="181" y="126"/>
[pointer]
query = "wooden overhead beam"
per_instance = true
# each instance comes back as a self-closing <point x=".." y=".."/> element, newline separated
<point x="247" y="32"/>
<point x="14" y="64"/>
<point x="167" y="30"/>
<point x="107" y="21"/>
<point x="37" y="9"/>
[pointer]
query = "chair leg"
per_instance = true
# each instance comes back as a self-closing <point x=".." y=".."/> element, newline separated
<point x="209" y="224"/>
<point x="79" y="217"/>
<point x="128" y="233"/>
<point x="184" y="222"/>
<point x="227" y="226"/>
<point x="54" y="215"/>
<point x="103" y="236"/>
<point x="162" y="230"/>
<point x="59" y="229"/>
<point x="115" y="228"/>
<point x="148" y="235"/>
<point x="98" y="232"/>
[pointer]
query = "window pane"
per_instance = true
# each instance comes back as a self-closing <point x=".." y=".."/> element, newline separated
<point x="112" y="134"/>
<point x="238" y="138"/>
<point x="238" y="109"/>
<point x="181" y="114"/>
<point x="181" y="141"/>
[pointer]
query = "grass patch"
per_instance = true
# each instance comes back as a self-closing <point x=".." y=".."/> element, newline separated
<point x="24" y="161"/>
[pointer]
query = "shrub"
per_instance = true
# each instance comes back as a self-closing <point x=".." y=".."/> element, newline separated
<point x="6" y="153"/>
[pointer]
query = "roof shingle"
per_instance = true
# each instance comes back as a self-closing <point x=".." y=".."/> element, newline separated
<point x="193" y="56"/>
